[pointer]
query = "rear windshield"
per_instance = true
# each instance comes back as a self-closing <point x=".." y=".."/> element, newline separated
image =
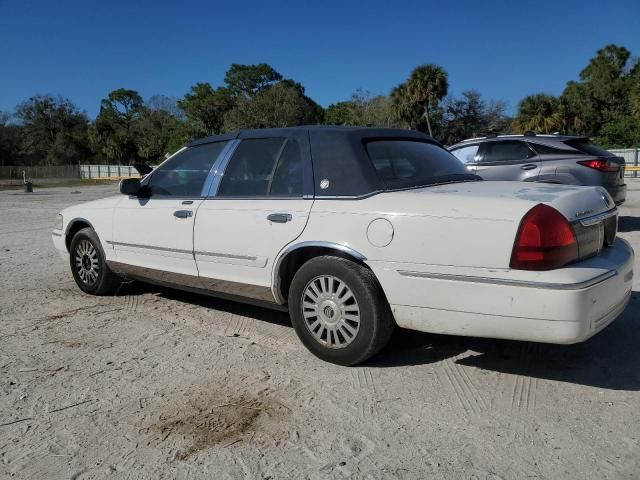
<point x="410" y="163"/>
<point x="585" y="146"/>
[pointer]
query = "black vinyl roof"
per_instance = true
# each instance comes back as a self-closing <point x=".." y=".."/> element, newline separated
<point x="362" y="132"/>
<point x="338" y="153"/>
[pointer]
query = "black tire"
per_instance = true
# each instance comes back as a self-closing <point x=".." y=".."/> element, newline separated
<point x="375" y="324"/>
<point x="88" y="265"/>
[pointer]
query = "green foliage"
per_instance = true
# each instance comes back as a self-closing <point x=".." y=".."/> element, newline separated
<point x="280" y="105"/>
<point x="364" y="109"/>
<point x="471" y="116"/>
<point x="54" y="131"/>
<point x="538" y="113"/>
<point x="415" y="98"/>
<point x="205" y="107"/>
<point x="249" y="80"/>
<point x="603" y="103"/>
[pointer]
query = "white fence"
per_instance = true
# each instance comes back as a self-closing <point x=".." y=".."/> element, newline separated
<point x="631" y="157"/>
<point x="107" y="171"/>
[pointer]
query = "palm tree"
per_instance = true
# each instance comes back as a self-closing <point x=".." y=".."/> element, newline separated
<point x="538" y="113"/>
<point x="424" y="88"/>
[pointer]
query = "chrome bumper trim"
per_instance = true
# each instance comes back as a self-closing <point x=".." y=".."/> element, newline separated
<point x="511" y="283"/>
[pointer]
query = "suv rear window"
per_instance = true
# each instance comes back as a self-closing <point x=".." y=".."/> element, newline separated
<point x="413" y="163"/>
<point x="585" y="146"/>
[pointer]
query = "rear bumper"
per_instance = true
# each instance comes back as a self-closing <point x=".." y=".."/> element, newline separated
<point x="539" y="311"/>
<point x="618" y="193"/>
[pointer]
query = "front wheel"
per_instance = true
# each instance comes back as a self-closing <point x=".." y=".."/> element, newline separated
<point x="339" y="311"/>
<point x="88" y="264"/>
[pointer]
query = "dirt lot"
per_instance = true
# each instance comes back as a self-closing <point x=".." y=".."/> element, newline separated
<point x="154" y="383"/>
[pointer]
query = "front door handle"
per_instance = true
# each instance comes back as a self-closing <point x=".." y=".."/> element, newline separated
<point x="183" y="213"/>
<point x="279" y="217"/>
<point x="529" y="166"/>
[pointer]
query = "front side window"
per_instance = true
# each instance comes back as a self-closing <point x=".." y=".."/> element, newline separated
<point x="466" y="154"/>
<point x="505" y="151"/>
<point x="411" y="163"/>
<point x="184" y="174"/>
<point x="264" y="166"/>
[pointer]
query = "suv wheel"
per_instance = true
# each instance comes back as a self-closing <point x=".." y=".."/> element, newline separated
<point x="339" y="311"/>
<point x="88" y="265"/>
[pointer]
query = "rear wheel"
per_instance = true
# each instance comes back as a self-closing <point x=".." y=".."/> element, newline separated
<point x="88" y="264"/>
<point x="339" y="311"/>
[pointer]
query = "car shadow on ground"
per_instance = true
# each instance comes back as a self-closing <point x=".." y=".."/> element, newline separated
<point x="608" y="360"/>
<point x="628" y="224"/>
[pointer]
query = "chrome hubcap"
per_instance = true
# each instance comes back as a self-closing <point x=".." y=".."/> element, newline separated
<point x="330" y="311"/>
<point x="86" y="257"/>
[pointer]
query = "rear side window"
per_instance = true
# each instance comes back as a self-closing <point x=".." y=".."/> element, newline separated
<point x="585" y="146"/>
<point x="505" y="151"/>
<point x="466" y="154"/>
<point x="264" y="166"/>
<point x="407" y="163"/>
<point x="548" y="150"/>
<point x="184" y="174"/>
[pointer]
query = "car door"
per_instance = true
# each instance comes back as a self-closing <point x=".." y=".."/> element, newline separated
<point x="153" y="233"/>
<point x="507" y="160"/>
<point x="259" y="204"/>
<point x="468" y="155"/>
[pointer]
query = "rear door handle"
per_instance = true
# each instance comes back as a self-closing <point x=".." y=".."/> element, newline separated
<point x="279" y="217"/>
<point x="529" y="166"/>
<point x="183" y="213"/>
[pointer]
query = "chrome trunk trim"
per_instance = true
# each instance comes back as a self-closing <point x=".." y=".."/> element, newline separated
<point x="587" y="222"/>
<point x="511" y="283"/>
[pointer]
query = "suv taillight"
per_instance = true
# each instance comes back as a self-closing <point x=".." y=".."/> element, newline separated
<point x="599" y="164"/>
<point x="545" y="240"/>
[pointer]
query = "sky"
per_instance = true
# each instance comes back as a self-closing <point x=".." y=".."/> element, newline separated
<point x="504" y="49"/>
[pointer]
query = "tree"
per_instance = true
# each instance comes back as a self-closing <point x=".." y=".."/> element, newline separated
<point x="155" y="132"/>
<point x="364" y="109"/>
<point x="205" y="107"/>
<point x="10" y="141"/>
<point x="54" y="131"/>
<point x="538" y="113"/>
<point x="471" y="116"/>
<point x="249" y="80"/>
<point x="423" y="90"/>
<point x="114" y="133"/>
<point x="280" y="105"/>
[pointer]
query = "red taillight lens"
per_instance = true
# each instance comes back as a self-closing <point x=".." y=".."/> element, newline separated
<point x="599" y="164"/>
<point x="545" y="240"/>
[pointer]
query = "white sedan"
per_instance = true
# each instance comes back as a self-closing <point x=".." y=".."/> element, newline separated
<point x="357" y="230"/>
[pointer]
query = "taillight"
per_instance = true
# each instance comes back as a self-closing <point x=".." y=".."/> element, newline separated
<point x="599" y="164"/>
<point x="545" y="240"/>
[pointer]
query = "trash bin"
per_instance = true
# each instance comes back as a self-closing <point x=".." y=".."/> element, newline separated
<point x="28" y="187"/>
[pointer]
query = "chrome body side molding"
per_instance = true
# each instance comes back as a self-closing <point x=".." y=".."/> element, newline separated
<point x="276" y="280"/>
<point x="511" y="283"/>
<point x="226" y="255"/>
<point x="209" y="286"/>
<point x="149" y="247"/>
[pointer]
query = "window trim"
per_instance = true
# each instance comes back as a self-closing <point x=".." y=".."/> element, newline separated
<point x="213" y="193"/>
<point x="474" y="144"/>
<point x="207" y="181"/>
<point x="483" y="147"/>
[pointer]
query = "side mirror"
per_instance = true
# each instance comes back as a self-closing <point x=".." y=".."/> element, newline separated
<point x="130" y="186"/>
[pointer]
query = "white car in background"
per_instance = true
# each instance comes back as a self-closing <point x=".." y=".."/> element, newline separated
<point x="357" y="230"/>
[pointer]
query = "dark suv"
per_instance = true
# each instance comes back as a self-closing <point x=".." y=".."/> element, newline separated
<point x="544" y="158"/>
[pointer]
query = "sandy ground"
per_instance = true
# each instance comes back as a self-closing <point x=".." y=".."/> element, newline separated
<point x="155" y="383"/>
